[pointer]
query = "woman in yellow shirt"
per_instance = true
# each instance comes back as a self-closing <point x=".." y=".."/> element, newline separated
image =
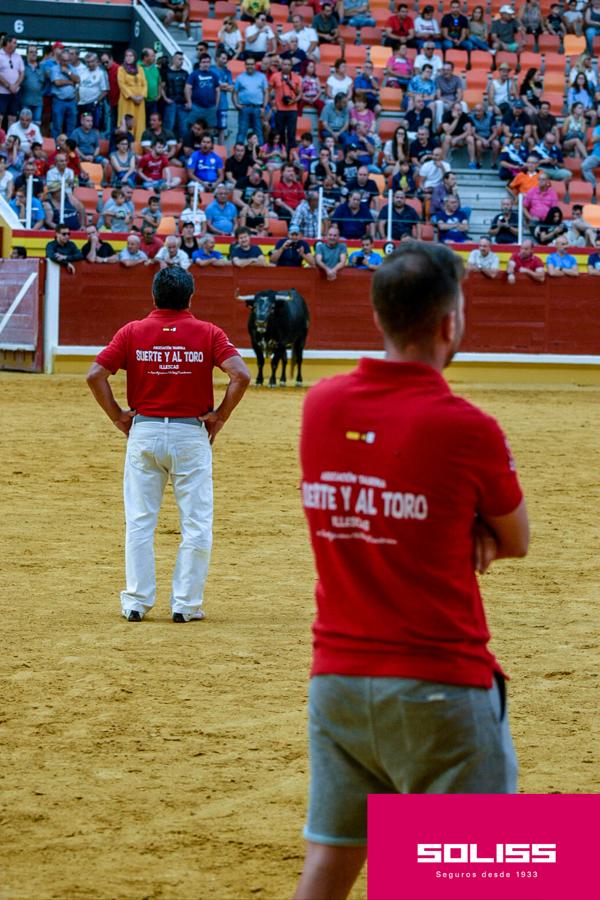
<point x="133" y="91"/>
<point x="251" y="8"/>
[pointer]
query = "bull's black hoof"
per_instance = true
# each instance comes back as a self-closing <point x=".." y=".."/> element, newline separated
<point x="259" y="382"/>
<point x="282" y="382"/>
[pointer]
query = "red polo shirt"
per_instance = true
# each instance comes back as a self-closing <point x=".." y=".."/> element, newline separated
<point x="532" y="262"/>
<point x="169" y="357"/>
<point x="394" y="470"/>
<point x="291" y="194"/>
<point x="400" y="27"/>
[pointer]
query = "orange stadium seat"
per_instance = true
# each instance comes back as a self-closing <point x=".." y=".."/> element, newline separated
<point x="210" y="30"/>
<point x="556" y="101"/>
<point x="224" y="8"/>
<point x="380" y="55"/>
<point x="199" y="10"/>
<point x="581" y="192"/>
<point x="386" y="128"/>
<point x="166" y="225"/>
<point x="481" y="60"/>
<point x="574" y="44"/>
<point x="280" y="13"/>
<point x="427" y="232"/>
<point x="458" y="58"/>
<point x="172" y="202"/>
<point x="530" y="60"/>
<point x="236" y="67"/>
<point x="555" y="62"/>
<point x="391" y="98"/>
<point x="140" y="198"/>
<point x="474" y="95"/>
<point x="330" y="53"/>
<point x="511" y="59"/>
<point x="477" y="78"/>
<point x="95" y="172"/>
<point x="306" y="12"/>
<point x="572" y="163"/>
<point x="89" y="198"/>
<point x="380" y="14"/>
<point x="554" y="81"/>
<point x="416" y="205"/>
<point x="356" y="55"/>
<point x="549" y="43"/>
<point x="278" y="227"/>
<point x="371" y="36"/>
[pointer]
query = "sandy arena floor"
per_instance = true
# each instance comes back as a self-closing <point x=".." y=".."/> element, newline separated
<point x="160" y="761"/>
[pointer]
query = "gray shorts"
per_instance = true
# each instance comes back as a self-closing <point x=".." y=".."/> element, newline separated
<point x="400" y="735"/>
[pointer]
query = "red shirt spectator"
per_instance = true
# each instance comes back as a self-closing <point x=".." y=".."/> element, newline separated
<point x="151" y="167"/>
<point x="531" y="262"/>
<point x="400" y="26"/>
<point x="288" y="191"/>
<point x="150" y="243"/>
<point x="285" y="87"/>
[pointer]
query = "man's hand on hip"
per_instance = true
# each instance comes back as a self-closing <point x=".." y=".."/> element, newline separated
<point x="213" y="424"/>
<point x="124" y="421"/>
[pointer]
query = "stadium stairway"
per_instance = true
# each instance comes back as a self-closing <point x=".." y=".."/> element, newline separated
<point x="482" y="190"/>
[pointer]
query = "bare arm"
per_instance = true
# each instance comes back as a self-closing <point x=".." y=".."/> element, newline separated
<point x="97" y="379"/>
<point x="239" y="379"/>
<point x="511" y="533"/>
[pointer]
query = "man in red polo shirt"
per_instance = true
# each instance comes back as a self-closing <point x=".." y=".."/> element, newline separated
<point x="399" y="29"/>
<point x="171" y="424"/>
<point x="408" y="492"/>
<point x="524" y="260"/>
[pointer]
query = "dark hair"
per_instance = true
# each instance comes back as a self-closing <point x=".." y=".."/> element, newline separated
<point x="414" y="288"/>
<point x="61" y="227"/>
<point x="154" y="198"/>
<point x="241" y="230"/>
<point x="21" y="252"/>
<point x="172" y="288"/>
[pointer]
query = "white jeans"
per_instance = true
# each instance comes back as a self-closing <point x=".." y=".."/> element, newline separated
<point x="156" y="450"/>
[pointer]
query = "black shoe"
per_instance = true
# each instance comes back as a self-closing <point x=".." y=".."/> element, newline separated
<point x="178" y="617"/>
<point x="134" y="616"/>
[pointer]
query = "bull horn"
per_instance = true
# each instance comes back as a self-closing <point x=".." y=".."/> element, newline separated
<point x="243" y="297"/>
<point x="286" y="296"/>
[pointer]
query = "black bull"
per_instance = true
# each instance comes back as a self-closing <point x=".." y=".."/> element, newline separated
<point x="277" y="320"/>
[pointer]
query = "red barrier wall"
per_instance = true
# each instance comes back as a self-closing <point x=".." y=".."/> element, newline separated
<point x="560" y="316"/>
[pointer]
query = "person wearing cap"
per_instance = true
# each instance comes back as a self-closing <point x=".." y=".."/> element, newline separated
<point x="516" y="121"/>
<point x="506" y="31"/>
<point x="501" y="91"/>
<point x="306" y="216"/>
<point x="291" y="251"/>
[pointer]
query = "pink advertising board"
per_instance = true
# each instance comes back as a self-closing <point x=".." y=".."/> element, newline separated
<point x="484" y="847"/>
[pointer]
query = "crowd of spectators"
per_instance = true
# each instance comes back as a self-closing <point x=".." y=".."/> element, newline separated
<point x="158" y="125"/>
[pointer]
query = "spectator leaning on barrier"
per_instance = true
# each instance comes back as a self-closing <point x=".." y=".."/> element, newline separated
<point x="291" y="251"/>
<point x="95" y="250"/>
<point x="207" y="255"/>
<point x="366" y="257"/>
<point x="61" y="250"/>
<point x="560" y="263"/>
<point x="132" y="255"/>
<point x="483" y="260"/>
<point x="594" y="259"/>
<point x="171" y="254"/>
<point x="523" y="260"/>
<point x="243" y="253"/>
<point x="331" y="255"/>
<point x="150" y="244"/>
<point x="189" y="242"/>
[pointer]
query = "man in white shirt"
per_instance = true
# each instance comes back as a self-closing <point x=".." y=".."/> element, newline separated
<point x="131" y="255"/>
<point x="171" y="254"/>
<point x="93" y="88"/>
<point x="26" y="130"/>
<point x="260" y="38"/>
<point x="483" y="260"/>
<point x="430" y="57"/>
<point x="432" y="172"/>
<point x="308" y="39"/>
